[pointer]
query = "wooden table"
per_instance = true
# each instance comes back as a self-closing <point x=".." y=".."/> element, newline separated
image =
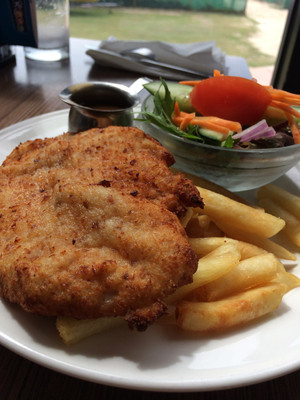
<point x="28" y="89"/>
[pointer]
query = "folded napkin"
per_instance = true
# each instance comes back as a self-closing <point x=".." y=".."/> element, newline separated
<point x="202" y="57"/>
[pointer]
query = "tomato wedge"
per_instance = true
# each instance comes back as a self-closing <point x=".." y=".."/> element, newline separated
<point x="231" y="97"/>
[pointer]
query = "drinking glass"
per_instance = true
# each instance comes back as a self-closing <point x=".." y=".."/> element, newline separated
<point x="53" y="31"/>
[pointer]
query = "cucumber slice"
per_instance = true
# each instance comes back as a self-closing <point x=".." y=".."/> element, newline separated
<point x="213" y="135"/>
<point x="297" y="108"/>
<point x="178" y="92"/>
<point x="275" y="116"/>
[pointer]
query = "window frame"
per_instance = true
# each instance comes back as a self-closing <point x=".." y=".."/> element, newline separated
<point x="286" y="74"/>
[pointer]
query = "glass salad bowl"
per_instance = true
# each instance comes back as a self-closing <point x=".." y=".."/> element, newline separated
<point x="234" y="169"/>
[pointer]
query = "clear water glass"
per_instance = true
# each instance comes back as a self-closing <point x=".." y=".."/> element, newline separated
<point x="52" y="30"/>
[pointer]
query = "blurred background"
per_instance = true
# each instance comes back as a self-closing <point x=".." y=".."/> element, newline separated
<point x="252" y="29"/>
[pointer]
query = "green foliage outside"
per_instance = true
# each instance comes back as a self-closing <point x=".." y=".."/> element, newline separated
<point x="230" y="31"/>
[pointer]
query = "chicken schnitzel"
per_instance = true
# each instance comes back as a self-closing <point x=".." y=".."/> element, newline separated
<point x="127" y="158"/>
<point x="89" y="226"/>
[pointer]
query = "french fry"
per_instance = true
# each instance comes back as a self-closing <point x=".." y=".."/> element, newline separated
<point x="227" y="212"/>
<point x="198" y="225"/>
<point x="189" y="214"/>
<point x="283" y="277"/>
<point x="236" y="310"/>
<point x="290" y="280"/>
<point x="286" y="200"/>
<point x="266" y="244"/>
<point x="202" y="226"/>
<point x="203" y="246"/>
<point x="292" y="223"/>
<point x="251" y="272"/>
<point x="210" y="267"/>
<point x="73" y="331"/>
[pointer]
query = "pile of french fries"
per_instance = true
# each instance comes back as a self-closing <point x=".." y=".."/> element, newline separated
<point x="240" y="275"/>
<point x="285" y="205"/>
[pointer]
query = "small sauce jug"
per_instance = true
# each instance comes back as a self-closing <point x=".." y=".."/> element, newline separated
<point x="100" y="104"/>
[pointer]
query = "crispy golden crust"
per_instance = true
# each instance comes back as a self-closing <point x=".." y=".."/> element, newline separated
<point x="140" y="319"/>
<point x="125" y="158"/>
<point x="86" y="229"/>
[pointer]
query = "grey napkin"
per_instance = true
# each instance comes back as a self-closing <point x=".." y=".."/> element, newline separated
<point x="202" y="56"/>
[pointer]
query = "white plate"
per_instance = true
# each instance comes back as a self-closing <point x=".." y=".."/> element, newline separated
<point x="160" y="359"/>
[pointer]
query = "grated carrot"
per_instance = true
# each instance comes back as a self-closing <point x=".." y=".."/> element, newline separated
<point x="209" y="125"/>
<point x="286" y="97"/>
<point x="232" y="125"/>
<point x="285" y="107"/>
<point x="183" y="119"/>
<point x="194" y="83"/>
<point x="189" y="83"/>
<point x="176" y="109"/>
<point x="217" y="73"/>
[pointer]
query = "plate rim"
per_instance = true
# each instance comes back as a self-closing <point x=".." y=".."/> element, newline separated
<point x="78" y="372"/>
